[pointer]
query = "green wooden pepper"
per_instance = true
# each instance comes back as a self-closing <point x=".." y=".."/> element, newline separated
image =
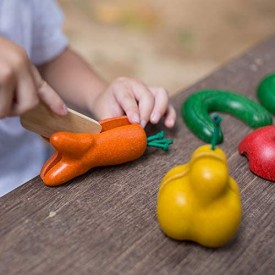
<point x="266" y="93"/>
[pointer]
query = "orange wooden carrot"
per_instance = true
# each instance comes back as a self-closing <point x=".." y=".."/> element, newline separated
<point x="76" y="153"/>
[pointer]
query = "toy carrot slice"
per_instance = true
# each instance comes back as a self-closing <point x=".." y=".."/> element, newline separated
<point x="110" y="123"/>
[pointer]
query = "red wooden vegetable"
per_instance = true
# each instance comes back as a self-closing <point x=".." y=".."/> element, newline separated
<point x="259" y="148"/>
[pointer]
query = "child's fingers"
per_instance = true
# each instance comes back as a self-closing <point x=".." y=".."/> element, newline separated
<point x="145" y="101"/>
<point x="142" y="104"/>
<point x="21" y="84"/>
<point x="161" y="104"/>
<point x="162" y="108"/>
<point x="146" y="105"/>
<point x="135" y="99"/>
<point x="17" y="93"/>
<point x="170" y="117"/>
<point x="25" y="96"/>
<point x="127" y="102"/>
<point x="6" y="92"/>
<point x="51" y="99"/>
<point x="107" y="107"/>
<point x="48" y="95"/>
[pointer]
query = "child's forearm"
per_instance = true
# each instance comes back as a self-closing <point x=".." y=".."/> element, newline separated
<point x="73" y="79"/>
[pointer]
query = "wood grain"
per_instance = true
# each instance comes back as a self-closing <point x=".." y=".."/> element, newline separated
<point x="104" y="222"/>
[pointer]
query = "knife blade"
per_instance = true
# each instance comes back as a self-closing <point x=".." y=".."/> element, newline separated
<point x="45" y="122"/>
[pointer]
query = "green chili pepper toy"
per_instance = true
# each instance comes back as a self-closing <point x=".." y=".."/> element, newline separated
<point x="195" y="112"/>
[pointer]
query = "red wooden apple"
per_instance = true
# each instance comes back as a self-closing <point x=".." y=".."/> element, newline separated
<point x="259" y="148"/>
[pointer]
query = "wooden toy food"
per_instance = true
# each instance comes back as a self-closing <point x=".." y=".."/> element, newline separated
<point x="45" y="122"/>
<point x="259" y="148"/>
<point x="199" y="201"/>
<point x="76" y="153"/>
<point x="266" y="93"/>
<point x="195" y="112"/>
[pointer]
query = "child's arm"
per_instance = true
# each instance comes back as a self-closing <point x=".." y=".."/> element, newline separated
<point x="80" y="86"/>
<point x="21" y="86"/>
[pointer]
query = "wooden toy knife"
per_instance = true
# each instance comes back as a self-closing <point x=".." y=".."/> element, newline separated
<point x="44" y="122"/>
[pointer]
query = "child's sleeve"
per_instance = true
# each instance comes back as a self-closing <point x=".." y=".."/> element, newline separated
<point x="49" y="39"/>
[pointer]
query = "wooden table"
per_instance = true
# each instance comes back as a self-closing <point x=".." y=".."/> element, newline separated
<point x="104" y="222"/>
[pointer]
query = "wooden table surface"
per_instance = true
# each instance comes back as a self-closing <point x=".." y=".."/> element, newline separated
<point x="104" y="222"/>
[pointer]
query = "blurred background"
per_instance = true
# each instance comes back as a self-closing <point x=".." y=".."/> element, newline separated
<point x="165" y="43"/>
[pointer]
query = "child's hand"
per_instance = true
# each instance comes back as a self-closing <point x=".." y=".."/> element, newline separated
<point x="21" y="86"/>
<point x="140" y="103"/>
